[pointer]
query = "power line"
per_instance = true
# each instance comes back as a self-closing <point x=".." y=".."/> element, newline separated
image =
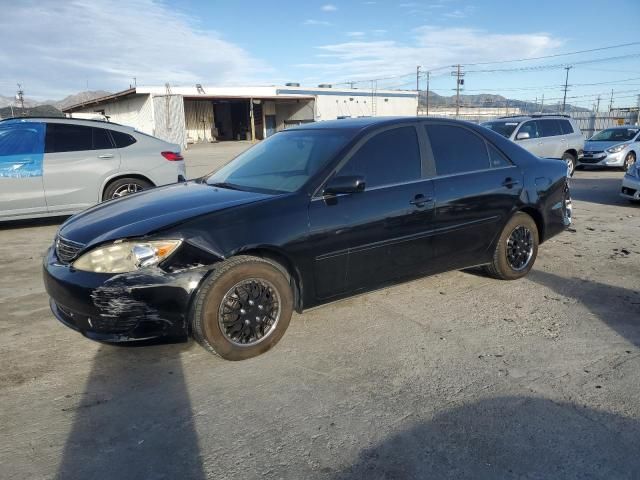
<point x="557" y="65"/>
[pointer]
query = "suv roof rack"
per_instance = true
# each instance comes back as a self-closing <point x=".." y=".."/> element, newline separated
<point x="538" y="115"/>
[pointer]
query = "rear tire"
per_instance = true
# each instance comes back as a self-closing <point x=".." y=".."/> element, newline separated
<point x="516" y="250"/>
<point x="125" y="186"/>
<point x="571" y="161"/>
<point x="243" y="308"/>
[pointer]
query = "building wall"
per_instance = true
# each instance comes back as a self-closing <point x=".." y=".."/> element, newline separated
<point x="293" y="112"/>
<point x="135" y="111"/>
<point x="364" y="104"/>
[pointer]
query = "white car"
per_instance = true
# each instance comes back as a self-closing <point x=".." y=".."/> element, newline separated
<point x="58" y="166"/>
<point x="613" y="147"/>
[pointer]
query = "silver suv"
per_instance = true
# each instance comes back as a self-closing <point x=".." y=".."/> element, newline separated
<point x="59" y="166"/>
<point x="547" y="136"/>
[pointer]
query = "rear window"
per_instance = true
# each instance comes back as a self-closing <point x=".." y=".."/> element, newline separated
<point x="62" y="137"/>
<point x="457" y="150"/>
<point x="122" y="140"/>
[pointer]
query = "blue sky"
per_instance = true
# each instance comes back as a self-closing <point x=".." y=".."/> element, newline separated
<point x="66" y="45"/>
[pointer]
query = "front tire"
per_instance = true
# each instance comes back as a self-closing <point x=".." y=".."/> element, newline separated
<point x="516" y="250"/>
<point x="243" y="308"/>
<point x="571" y="161"/>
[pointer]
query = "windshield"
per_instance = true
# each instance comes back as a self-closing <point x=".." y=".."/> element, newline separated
<point x="503" y="128"/>
<point x="282" y="163"/>
<point x="615" y="135"/>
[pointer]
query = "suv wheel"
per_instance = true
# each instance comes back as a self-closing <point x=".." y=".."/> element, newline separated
<point x="125" y="186"/>
<point x="570" y="160"/>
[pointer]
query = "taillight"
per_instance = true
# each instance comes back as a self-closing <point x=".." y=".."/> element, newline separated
<point x="172" y="156"/>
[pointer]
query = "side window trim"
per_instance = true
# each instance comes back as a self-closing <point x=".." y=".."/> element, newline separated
<point x="355" y="148"/>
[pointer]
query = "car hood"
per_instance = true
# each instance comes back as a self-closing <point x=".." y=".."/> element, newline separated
<point x="590" y="146"/>
<point x="152" y="210"/>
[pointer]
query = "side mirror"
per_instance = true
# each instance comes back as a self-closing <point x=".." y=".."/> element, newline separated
<point x="523" y="136"/>
<point x="344" y="184"/>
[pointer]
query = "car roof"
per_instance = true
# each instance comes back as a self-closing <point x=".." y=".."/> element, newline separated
<point x="366" y="123"/>
<point x="537" y="116"/>
<point x="75" y="121"/>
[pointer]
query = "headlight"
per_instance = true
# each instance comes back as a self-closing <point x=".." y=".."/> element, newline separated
<point x="617" y="148"/>
<point x="125" y="256"/>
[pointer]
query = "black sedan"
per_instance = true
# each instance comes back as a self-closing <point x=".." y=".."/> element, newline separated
<point x="310" y="215"/>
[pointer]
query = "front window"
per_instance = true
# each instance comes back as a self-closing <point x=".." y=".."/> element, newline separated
<point x="615" y="135"/>
<point x="282" y="163"/>
<point x="504" y="128"/>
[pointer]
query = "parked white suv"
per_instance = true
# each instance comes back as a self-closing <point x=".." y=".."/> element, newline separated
<point x="58" y="166"/>
<point x="546" y="136"/>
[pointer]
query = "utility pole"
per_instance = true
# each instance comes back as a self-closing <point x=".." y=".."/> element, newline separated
<point x="598" y="104"/>
<point x="428" y="75"/>
<point x="542" y="104"/>
<point x="458" y="73"/>
<point x="611" y="101"/>
<point x="418" y="88"/>
<point x="638" y="116"/>
<point x="20" y="98"/>
<point x="566" y="87"/>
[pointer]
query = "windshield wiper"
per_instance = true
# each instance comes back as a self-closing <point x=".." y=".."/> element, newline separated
<point x="229" y="186"/>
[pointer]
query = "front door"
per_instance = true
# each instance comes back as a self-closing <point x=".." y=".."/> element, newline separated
<point x="476" y="189"/>
<point x="382" y="233"/>
<point x="21" y="169"/>
<point x="534" y="143"/>
<point x="77" y="160"/>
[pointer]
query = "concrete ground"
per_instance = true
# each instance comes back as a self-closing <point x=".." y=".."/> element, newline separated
<point x="203" y="158"/>
<point x="452" y="376"/>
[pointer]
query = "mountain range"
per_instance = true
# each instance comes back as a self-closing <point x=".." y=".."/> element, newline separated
<point x="48" y="107"/>
<point x="492" y="101"/>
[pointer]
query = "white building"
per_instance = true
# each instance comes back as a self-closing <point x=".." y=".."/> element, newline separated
<point x="197" y="114"/>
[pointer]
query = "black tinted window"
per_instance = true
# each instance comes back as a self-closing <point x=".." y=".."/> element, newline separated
<point x="457" y="149"/>
<point x="550" y="128"/>
<point x="566" y="126"/>
<point x="497" y="158"/>
<point x="67" y="138"/>
<point x="101" y="139"/>
<point x="389" y="157"/>
<point x="122" y="139"/>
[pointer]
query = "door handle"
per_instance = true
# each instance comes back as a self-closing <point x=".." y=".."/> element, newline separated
<point x="420" y="200"/>
<point x="509" y="182"/>
<point x="106" y="155"/>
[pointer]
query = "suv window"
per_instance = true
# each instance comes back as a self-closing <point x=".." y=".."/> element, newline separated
<point x="392" y="156"/>
<point x="532" y="128"/>
<point x="101" y="140"/>
<point x="122" y="139"/>
<point x="457" y="149"/>
<point x="566" y="127"/>
<point x="62" y="137"/>
<point x="550" y="128"/>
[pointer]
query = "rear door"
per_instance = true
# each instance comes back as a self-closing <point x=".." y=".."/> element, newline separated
<point x="380" y="234"/>
<point x="77" y="160"/>
<point x="476" y="189"/>
<point x="554" y="143"/>
<point x="21" y="158"/>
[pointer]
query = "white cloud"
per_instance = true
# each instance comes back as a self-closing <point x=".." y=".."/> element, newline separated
<point x="355" y="34"/>
<point x="317" y="22"/>
<point x="460" y="12"/>
<point x="379" y="31"/>
<point x="329" y="8"/>
<point x="431" y="47"/>
<point x="63" y="45"/>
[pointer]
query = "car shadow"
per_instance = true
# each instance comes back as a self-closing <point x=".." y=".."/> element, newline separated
<point x="134" y="418"/>
<point x="33" y="222"/>
<point x="617" y="307"/>
<point x="507" y="437"/>
<point x="605" y="191"/>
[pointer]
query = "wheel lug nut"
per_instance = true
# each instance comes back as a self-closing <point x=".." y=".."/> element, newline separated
<point x="260" y="307"/>
<point x="247" y="321"/>
<point x="251" y="302"/>
<point x="242" y="311"/>
<point x="257" y="319"/>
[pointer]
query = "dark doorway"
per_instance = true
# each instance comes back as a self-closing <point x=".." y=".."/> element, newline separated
<point x="232" y="119"/>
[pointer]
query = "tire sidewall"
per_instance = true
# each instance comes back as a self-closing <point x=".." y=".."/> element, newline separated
<point x="115" y="184"/>
<point x="205" y="316"/>
<point x="569" y="157"/>
<point x="502" y="264"/>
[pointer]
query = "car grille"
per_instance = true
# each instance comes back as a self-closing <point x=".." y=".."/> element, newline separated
<point x="592" y="152"/>
<point x="66" y="250"/>
<point x="591" y="160"/>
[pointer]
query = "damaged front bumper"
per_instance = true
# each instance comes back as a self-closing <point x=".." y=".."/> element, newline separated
<point x="142" y="305"/>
